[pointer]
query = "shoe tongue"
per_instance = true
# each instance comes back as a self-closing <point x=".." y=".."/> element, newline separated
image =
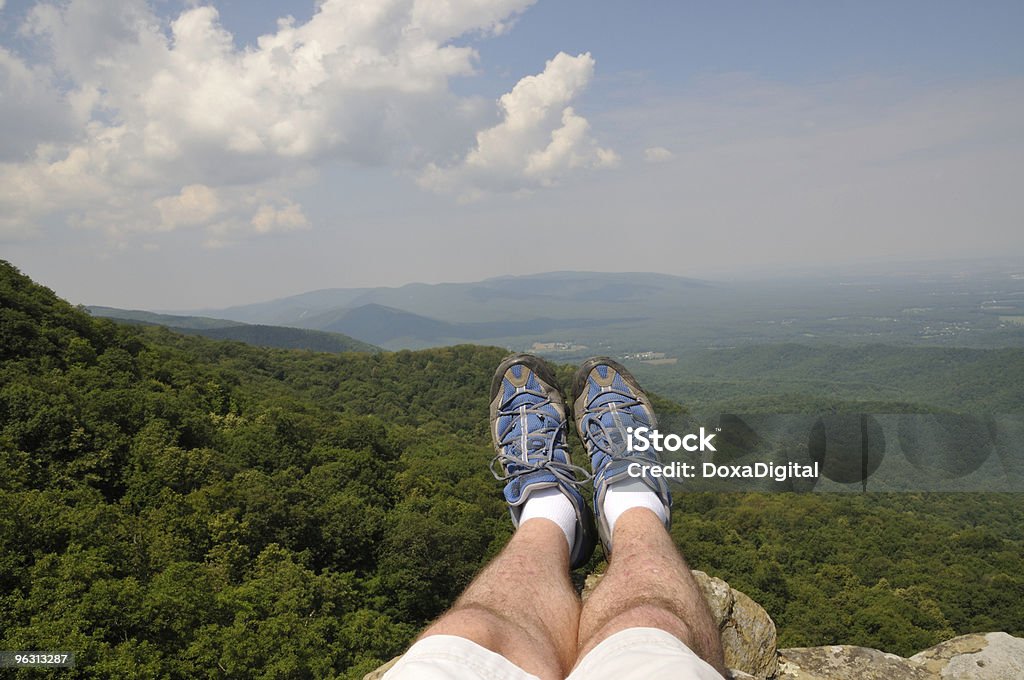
<point x="534" y="423"/>
<point x="624" y="413"/>
<point x="608" y="398"/>
<point x="533" y="420"/>
<point x="616" y="421"/>
<point x="522" y="399"/>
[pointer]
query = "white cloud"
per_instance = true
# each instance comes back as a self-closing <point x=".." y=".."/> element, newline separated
<point x="287" y="218"/>
<point x="253" y="216"/>
<point x="538" y="140"/>
<point x="197" y="204"/>
<point x="128" y="119"/>
<point x="30" y="108"/>
<point x="658" y="154"/>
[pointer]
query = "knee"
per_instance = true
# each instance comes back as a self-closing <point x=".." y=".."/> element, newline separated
<point x="651" y="615"/>
<point x="476" y="619"/>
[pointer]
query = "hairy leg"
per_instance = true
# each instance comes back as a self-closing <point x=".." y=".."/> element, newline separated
<point x="648" y="584"/>
<point x="523" y="604"/>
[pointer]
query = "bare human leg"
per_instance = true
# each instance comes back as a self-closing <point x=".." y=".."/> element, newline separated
<point x="523" y="604"/>
<point x="648" y="584"/>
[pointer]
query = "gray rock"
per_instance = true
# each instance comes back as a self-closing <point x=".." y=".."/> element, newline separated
<point x="844" y="662"/>
<point x="748" y="633"/>
<point x="740" y="675"/>
<point x="980" y="656"/>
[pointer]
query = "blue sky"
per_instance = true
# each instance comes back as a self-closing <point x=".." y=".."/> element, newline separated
<point x="794" y="41"/>
<point x="158" y="155"/>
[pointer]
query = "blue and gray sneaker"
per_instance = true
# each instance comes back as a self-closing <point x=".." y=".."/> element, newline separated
<point x="607" y="401"/>
<point x="528" y="429"/>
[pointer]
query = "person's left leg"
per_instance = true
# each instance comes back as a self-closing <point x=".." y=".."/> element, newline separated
<point x="522" y="605"/>
<point x="649" y="585"/>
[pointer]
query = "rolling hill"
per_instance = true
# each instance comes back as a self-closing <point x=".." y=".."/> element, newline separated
<point x="625" y="313"/>
<point x="260" y="335"/>
<point x="397" y="328"/>
<point x="570" y="295"/>
<point x="169" y="320"/>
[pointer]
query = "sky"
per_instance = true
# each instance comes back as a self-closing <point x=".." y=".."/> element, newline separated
<point x="179" y="155"/>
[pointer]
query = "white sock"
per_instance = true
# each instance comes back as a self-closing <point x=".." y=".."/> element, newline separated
<point x="630" y="493"/>
<point x="551" y="504"/>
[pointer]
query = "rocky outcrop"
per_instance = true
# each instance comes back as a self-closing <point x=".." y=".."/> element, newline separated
<point x="748" y="633"/>
<point x="749" y="641"/>
<point x="844" y="662"/>
<point x="740" y="675"/>
<point x="979" y="656"/>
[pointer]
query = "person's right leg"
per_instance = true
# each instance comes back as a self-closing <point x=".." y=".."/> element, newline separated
<point x="647" y="584"/>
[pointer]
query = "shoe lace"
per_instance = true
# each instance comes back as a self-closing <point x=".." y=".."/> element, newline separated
<point x="541" y="443"/>
<point x="600" y="435"/>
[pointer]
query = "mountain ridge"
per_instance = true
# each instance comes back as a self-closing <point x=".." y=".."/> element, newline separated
<point x="470" y="301"/>
<point x="511" y="310"/>
<point x="259" y="335"/>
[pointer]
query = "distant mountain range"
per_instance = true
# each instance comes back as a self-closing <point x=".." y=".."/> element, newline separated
<point x="386" y="325"/>
<point x="253" y="334"/>
<point x="583" y="313"/>
<point x="509" y="309"/>
<point x="555" y="294"/>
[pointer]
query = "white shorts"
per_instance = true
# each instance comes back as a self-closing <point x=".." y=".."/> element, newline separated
<point x="631" y="654"/>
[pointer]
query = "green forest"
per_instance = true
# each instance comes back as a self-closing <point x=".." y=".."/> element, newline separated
<point x="174" y="506"/>
<point x="789" y="377"/>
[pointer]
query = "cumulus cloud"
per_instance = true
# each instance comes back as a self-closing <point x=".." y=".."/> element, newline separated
<point x="197" y="204"/>
<point x="539" y="138"/>
<point x="282" y="216"/>
<point x="286" y="218"/>
<point x="131" y="123"/>
<point x="658" y="154"/>
<point x="30" y="108"/>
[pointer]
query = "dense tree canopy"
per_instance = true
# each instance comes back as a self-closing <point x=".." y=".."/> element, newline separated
<point x="174" y="506"/>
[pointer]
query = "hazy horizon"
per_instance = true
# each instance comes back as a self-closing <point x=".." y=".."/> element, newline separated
<point x="885" y="268"/>
<point x="876" y="267"/>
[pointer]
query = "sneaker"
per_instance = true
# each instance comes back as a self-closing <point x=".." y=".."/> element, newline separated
<point x="607" y="401"/>
<point x="528" y="428"/>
